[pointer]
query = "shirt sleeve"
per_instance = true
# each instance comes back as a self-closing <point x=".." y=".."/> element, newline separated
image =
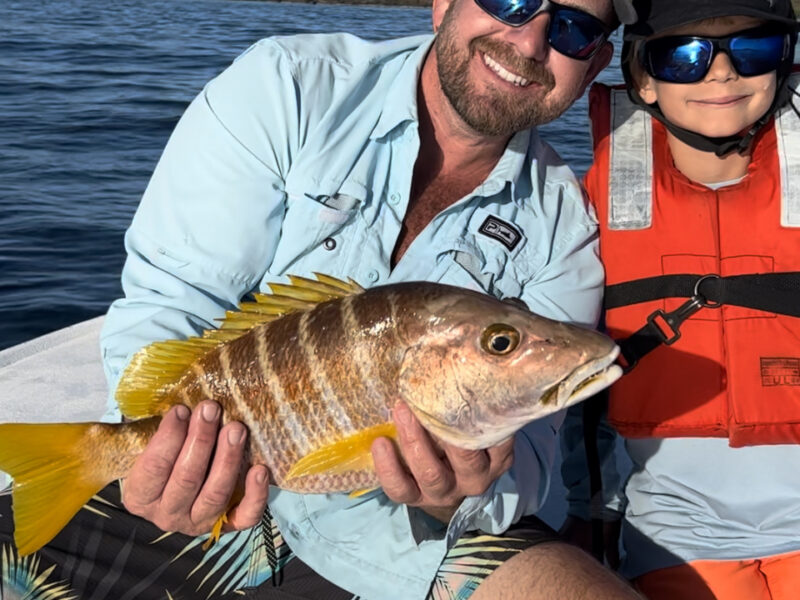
<point x="208" y="224"/>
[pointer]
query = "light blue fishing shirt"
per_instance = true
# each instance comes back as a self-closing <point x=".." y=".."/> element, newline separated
<point x="298" y="159"/>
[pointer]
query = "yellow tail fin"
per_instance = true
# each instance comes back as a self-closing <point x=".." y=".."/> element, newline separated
<point x="56" y="471"/>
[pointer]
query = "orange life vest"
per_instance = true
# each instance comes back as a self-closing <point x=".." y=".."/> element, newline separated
<point x="734" y="372"/>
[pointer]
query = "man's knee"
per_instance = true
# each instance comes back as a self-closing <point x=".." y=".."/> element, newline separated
<point x="554" y="570"/>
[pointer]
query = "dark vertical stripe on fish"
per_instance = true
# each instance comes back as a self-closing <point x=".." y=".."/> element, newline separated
<point x="290" y="367"/>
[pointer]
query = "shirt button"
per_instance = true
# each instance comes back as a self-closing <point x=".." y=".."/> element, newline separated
<point x="394" y="198"/>
<point x="329" y="243"/>
<point x="372" y="276"/>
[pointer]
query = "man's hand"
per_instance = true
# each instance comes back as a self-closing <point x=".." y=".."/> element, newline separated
<point x="172" y="486"/>
<point x="433" y="475"/>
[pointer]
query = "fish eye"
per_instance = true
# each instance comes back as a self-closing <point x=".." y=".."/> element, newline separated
<point x="499" y="339"/>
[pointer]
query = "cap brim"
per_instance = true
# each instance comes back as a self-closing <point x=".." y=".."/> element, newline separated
<point x="678" y="18"/>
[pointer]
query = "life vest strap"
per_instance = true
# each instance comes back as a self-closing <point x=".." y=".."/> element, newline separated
<point x="771" y="292"/>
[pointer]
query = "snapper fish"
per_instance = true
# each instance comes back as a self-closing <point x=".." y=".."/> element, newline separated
<point x="313" y="370"/>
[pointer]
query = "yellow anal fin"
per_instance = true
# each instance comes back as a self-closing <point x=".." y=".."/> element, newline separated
<point x="216" y="531"/>
<point x="348" y="454"/>
<point x="56" y="471"/>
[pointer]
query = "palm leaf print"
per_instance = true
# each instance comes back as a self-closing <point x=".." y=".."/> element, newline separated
<point x="20" y="579"/>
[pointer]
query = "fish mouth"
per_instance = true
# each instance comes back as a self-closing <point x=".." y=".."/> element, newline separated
<point x="585" y="381"/>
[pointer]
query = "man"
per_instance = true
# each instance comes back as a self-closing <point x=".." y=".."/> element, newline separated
<point x="405" y="160"/>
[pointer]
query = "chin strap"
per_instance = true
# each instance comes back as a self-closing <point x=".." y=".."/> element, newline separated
<point x="790" y="102"/>
<point x="721" y="146"/>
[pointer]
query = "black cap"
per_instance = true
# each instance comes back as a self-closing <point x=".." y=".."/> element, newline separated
<point x="643" y="18"/>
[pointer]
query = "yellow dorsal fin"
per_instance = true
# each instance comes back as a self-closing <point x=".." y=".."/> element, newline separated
<point x="348" y="287"/>
<point x="348" y="454"/>
<point x="144" y="387"/>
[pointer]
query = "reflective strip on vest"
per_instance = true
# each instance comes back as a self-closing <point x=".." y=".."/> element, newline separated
<point x="787" y="128"/>
<point x="630" y="190"/>
<point x="630" y="178"/>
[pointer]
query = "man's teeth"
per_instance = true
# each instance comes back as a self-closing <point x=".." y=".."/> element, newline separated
<point x="504" y="73"/>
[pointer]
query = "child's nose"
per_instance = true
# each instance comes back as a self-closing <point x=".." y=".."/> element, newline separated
<point x="721" y="68"/>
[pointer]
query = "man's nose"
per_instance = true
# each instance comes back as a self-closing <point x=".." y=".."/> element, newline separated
<point x="721" y="69"/>
<point x="530" y="39"/>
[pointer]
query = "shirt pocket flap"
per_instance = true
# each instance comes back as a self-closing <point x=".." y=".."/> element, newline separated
<point x="483" y="259"/>
<point x="310" y="218"/>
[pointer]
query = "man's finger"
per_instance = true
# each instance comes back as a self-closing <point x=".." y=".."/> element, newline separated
<point x="214" y="496"/>
<point x="433" y="476"/>
<point x="191" y="467"/>
<point x="151" y="471"/>
<point x="501" y="457"/>
<point x="252" y="505"/>
<point x="397" y="484"/>
<point x="472" y="469"/>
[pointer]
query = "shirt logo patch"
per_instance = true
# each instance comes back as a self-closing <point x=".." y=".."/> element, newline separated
<point x="780" y="371"/>
<point x="503" y="232"/>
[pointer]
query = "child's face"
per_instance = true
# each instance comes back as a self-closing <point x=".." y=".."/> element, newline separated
<point x="721" y="104"/>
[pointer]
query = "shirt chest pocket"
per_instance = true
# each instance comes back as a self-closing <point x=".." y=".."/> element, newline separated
<point x="483" y="262"/>
<point x="317" y="228"/>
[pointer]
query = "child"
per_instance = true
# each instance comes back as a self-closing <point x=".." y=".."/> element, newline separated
<point x="696" y="175"/>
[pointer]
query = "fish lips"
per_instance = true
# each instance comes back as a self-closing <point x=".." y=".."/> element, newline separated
<point x="587" y="380"/>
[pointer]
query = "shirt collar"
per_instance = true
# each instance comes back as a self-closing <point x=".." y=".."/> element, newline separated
<point x="402" y="105"/>
<point x="509" y="168"/>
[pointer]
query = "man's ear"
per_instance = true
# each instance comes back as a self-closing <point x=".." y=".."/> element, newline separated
<point x="598" y="62"/>
<point x="439" y="9"/>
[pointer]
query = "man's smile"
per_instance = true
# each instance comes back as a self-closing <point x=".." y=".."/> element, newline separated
<point x="503" y="73"/>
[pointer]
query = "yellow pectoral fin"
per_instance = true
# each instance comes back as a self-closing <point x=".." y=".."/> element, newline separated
<point x="349" y="454"/>
<point x="359" y="493"/>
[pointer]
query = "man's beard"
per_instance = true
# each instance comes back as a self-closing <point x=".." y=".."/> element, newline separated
<point x="495" y="113"/>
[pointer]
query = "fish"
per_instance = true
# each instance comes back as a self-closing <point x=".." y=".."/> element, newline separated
<point x="313" y="370"/>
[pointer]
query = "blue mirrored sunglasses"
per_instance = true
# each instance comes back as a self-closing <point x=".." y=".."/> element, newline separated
<point x="572" y="32"/>
<point x="688" y="58"/>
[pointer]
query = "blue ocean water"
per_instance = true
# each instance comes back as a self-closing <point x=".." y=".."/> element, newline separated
<point x="89" y="93"/>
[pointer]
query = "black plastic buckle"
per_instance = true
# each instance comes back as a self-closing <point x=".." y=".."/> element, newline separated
<point x="675" y="319"/>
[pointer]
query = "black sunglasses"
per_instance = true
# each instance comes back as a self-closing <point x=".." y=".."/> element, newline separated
<point x="688" y="58"/>
<point x="572" y="32"/>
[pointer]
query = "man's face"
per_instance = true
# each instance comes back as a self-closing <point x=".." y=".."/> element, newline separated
<point x="502" y="79"/>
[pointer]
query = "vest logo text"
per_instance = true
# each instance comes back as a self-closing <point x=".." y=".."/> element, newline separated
<point x="780" y="371"/>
